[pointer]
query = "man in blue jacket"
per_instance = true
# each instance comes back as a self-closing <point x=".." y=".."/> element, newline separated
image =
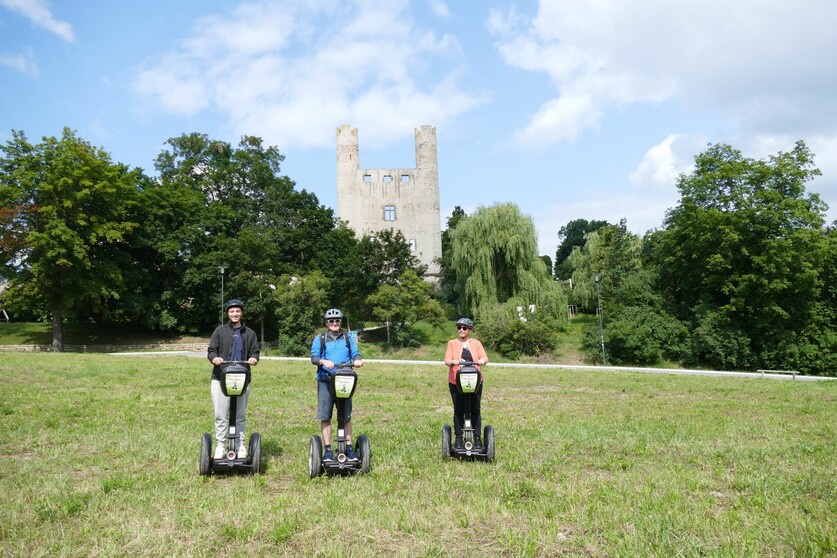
<point x="328" y="350"/>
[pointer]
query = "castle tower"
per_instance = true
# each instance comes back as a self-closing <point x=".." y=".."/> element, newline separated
<point x="372" y="200"/>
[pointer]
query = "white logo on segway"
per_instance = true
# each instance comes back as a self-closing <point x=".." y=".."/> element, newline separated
<point x="343" y="386"/>
<point x="235" y="383"/>
<point x="469" y="382"/>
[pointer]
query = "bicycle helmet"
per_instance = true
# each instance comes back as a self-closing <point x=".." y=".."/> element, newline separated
<point x="466" y="322"/>
<point x="234" y="302"/>
<point x="333" y="314"/>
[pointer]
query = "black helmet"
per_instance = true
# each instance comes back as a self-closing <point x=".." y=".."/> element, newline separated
<point x="234" y="302"/>
<point x="466" y="322"/>
<point x="333" y="314"/>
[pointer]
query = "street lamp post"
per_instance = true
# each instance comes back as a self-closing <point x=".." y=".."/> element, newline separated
<point x="222" y="268"/>
<point x="599" y="312"/>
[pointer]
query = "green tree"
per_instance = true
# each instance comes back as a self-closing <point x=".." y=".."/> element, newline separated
<point x="637" y="327"/>
<point x="447" y="273"/>
<point x="301" y="302"/>
<point x="402" y="305"/>
<point x="67" y="212"/>
<point x="614" y="255"/>
<point x="496" y="260"/>
<point x="743" y="253"/>
<point x="218" y="205"/>
<point x="571" y="236"/>
<point x="358" y="267"/>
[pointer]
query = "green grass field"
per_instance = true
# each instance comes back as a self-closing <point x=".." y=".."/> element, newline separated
<point x="100" y="458"/>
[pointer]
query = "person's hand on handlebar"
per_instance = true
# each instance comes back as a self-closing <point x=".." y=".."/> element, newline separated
<point x="327" y="364"/>
<point x="358" y="363"/>
<point x="481" y="362"/>
<point x="217" y="361"/>
<point x="252" y="361"/>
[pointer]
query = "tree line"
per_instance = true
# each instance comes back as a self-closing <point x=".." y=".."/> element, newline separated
<point x="84" y="237"/>
<point x="740" y="276"/>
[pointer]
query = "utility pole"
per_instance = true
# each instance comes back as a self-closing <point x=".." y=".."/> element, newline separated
<point x="599" y="312"/>
<point x="222" y="268"/>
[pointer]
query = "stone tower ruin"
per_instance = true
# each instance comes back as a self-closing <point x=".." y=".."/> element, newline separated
<point x="407" y="200"/>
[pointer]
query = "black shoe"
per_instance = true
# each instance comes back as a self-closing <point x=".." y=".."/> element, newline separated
<point x="477" y="443"/>
<point x="351" y="455"/>
<point x="457" y="444"/>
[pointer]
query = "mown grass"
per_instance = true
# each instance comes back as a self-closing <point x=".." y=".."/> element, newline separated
<point x="100" y="458"/>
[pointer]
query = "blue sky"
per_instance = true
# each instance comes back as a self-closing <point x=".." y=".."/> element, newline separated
<point x="568" y="109"/>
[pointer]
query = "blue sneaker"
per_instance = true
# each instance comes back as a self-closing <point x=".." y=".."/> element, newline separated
<point x="328" y="455"/>
<point x="351" y="455"/>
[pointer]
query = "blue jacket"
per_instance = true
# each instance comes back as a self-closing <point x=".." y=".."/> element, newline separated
<point x="335" y="350"/>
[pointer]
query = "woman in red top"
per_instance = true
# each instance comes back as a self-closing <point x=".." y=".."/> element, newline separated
<point x="465" y="349"/>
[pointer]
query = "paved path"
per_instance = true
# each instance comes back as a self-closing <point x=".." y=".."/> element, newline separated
<point x="682" y="371"/>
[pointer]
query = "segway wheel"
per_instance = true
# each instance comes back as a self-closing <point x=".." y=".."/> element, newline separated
<point x="315" y="457"/>
<point x="365" y="452"/>
<point x="445" y="441"/>
<point x="255" y="451"/>
<point x="205" y="467"/>
<point x="488" y="436"/>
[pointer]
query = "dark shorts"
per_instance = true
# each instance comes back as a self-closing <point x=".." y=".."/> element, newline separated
<point x="325" y="403"/>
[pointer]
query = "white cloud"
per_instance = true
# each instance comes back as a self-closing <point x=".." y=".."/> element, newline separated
<point x="38" y="13"/>
<point x="22" y="62"/>
<point x="766" y="65"/>
<point x="293" y="72"/>
<point x="666" y="161"/>
<point x="440" y="8"/>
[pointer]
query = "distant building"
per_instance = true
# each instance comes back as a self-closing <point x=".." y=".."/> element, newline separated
<point x="407" y="200"/>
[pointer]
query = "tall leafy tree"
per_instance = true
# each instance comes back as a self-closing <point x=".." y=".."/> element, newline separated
<point x="67" y="211"/>
<point x="572" y="235"/>
<point x="217" y="205"/>
<point x="743" y="253"/>
<point x="447" y="273"/>
<point x="357" y="267"/>
<point x="301" y="302"/>
<point x="403" y="304"/>
<point x="614" y="255"/>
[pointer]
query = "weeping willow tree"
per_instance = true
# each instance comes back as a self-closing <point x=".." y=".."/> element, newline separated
<point x="496" y="261"/>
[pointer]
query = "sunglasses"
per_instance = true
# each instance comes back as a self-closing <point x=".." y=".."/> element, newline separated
<point x="462" y="328"/>
<point x="333" y="321"/>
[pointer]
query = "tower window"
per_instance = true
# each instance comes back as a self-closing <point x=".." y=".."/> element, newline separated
<point x="387" y="178"/>
<point x="389" y="213"/>
<point x="367" y="178"/>
<point x="405" y="178"/>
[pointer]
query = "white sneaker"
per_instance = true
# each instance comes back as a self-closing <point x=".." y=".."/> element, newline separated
<point x="220" y="451"/>
<point x="242" y="451"/>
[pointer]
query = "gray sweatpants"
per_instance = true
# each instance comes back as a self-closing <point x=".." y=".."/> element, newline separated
<point x="222" y="411"/>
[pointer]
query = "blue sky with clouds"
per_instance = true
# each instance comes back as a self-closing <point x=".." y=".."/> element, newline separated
<point x="568" y="109"/>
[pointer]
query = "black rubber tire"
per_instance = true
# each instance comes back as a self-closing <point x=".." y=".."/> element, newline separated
<point x="488" y="436"/>
<point x="365" y="451"/>
<point x="315" y="457"/>
<point x="446" y="441"/>
<point x="255" y="451"/>
<point x="205" y="466"/>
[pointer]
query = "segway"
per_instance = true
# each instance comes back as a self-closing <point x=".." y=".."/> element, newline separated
<point x="342" y="386"/>
<point x="467" y="383"/>
<point x="235" y="377"/>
